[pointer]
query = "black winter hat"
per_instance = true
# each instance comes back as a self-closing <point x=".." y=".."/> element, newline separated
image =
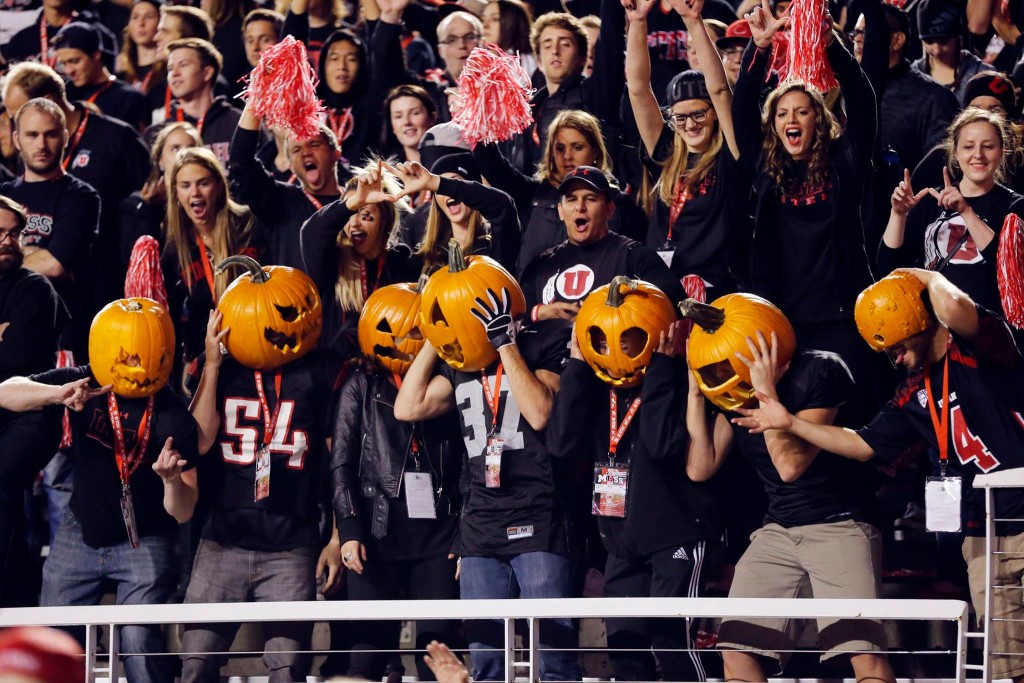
<point x="937" y="19"/>
<point x="463" y="164"/>
<point x="688" y="85"/>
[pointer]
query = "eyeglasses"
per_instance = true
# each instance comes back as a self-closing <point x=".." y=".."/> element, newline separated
<point x="13" y="235"/>
<point x="679" y="120"/>
<point x="732" y="52"/>
<point x="468" y="39"/>
<point x="856" y="34"/>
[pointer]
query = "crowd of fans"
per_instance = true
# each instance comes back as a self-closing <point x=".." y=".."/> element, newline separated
<point x="668" y="145"/>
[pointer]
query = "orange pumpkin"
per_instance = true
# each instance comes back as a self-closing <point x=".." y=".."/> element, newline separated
<point x="274" y="313"/>
<point x="389" y="326"/>
<point x="446" y="303"/>
<point x="891" y="310"/>
<point x="719" y="335"/>
<point x="131" y="346"/>
<point x="625" y="315"/>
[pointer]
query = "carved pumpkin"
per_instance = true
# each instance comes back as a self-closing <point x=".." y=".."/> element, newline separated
<point x="720" y="332"/>
<point x="447" y="299"/>
<point x="627" y="315"/>
<point x="891" y="310"/>
<point x="389" y="326"/>
<point x="274" y="314"/>
<point x="131" y="346"/>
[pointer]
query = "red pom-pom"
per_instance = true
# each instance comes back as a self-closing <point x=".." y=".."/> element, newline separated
<point x="808" y="62"/>
<point x="1010" y="262"/>
<point x="493" y="100"/>
<point x="281" y="90"/>
<point x="144" y="275"/>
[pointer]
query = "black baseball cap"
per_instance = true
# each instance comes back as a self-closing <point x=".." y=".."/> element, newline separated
<point x="592" y="177"/>
<point x="78" y="35"/>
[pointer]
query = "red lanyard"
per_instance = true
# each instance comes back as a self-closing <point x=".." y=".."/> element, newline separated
<point x="398" y="385"/>
<point x="342" y="124"/>
<point x="128" y="461"/>
<point x="207" y="267"/>
<point x="73" y="145"/>
<point x="362" y="275"/>
<point x="167" y="103"/>
<point x="143" y="85"/>
<point x="682" y="195"/>
<point x="941" y="426"/>
<point x="317" y="204"/>
<point x="269" y="423"/>
<point x="615" y="432"/>
<point x="180" y="116"/>
<point x="105" y="87"/>
<point x="493" y="399"/>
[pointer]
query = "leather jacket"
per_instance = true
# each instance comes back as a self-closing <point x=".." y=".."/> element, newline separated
<point x="370" y="452"/>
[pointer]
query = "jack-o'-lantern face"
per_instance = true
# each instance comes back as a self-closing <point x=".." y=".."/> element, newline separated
<point x="716" y="339"/>
<point x="619" y="326"/>
<point x="446" y="303"/>
<point x="131" y="347"/>
<point x="274" y="313"/>
<point x="389" y="326"/>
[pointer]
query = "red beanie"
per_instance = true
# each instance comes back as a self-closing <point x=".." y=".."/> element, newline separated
<point x="50" y="655"/>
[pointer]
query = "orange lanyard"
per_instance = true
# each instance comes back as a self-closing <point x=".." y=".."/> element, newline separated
<point x="128" y="461"/>
<point x="362" y="275"/>
<point x="180" y="116"/>
<point x="398" y="385"/>
<point x="616" y="432"/>
<point x="143" y="85"/>
<point x="269" y="422"/>
<point x="44" y="42"/>
<point x="73" y="145"/>
<point x="493" y="399"/>
<point x="940" y="425"/>
<point x="207" y="267"/>
<point x="103" y="89"/>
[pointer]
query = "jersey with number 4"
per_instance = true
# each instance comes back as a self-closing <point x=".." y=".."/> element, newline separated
<point x="522" y="514"/>
<point x="986" y="418"/>
<point x="287" y="516"/>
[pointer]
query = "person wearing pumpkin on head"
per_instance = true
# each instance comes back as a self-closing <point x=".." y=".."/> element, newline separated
<point x="962" y="399"/>
<point x="513" y="539"/>
<point x="262" y="410"/>
<point x="660" y="529"/>
<point x="807" y="251"/>
<point x="284" y="207"/>
<point x="700" y="197"/>
<point x="395" y="486"/>
<point x="814" y="529"/>
<point x="135" y="448"/>
<point x="350" y="248"/>
<point x="204" y="226"/>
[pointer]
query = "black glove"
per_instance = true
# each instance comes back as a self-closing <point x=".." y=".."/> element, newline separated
<point x="497" y="318"/>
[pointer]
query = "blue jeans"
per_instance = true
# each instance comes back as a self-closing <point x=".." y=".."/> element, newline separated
<point x="58" y="480"/>
<point x="529" y="575"/>
<point x="230" y="574"/>
<point x="75" y="574"/>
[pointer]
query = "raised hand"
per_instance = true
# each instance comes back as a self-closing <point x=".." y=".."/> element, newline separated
<point x="169" y="464"/>
<point x="687" y="9"/>
<point x="764" y="25"/>
<point x="950" y="197"/>
<point x="446" y="666"/>
<point x="414" y="176"/>
<point x="671" y="341"/>
<point x="76" y="394"/>
<point x="215" y="336"/>
<point x="497" y="318"/>
<point x="369" y="189"/>
<point x="574" y="345"/>
<point x="763" y="363"/>
<point x="903" y="197"/>
<point x="637" y="10"/>
<point x="770" y="415"/>
<point x="391" y="10"/>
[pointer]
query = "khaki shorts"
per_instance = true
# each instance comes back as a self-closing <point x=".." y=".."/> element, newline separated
<point x="1007" y="603"/>
<point x="837" y="560"/>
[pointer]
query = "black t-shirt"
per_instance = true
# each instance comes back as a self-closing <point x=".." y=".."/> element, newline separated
<point x="704" y="234"/>
<point x="116" y="99"/>
<point x="288" y="518"/>
<point x="31" y="315"/>
<point x="96" y="499"/>
<point x="931" y="233"/>
<point x="986" y="419"/>
<point x="815" y="379"/>
<point x="523" y="514"/>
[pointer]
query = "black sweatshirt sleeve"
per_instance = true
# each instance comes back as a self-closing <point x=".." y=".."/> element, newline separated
<point x="29" y="322"/>
<point x="318" y="239"/>
<point x="297" y="26"/>
<point x="602" y="91"/>
<point x="573" y="408"/>
<point x="859" y="98"/>
<point x="136" y="218"/>
<point x="500" y="173"/>
<point x="746" y="105"/>
<point x="250" y="181"/>
<point x="497" y="208"/>
<point x="76" y="226"/>
<point x="663" y="414"/>
<point x="875" y="61"/>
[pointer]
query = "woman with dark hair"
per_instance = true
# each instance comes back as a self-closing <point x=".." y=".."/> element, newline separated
<point x="507" y="24"/>
<point x="409" y="112"/>
<point x="955" y="228"/>
<point x="574" y="139"/>
<point x="699" y="203"/>
<point x="140" y="63"/>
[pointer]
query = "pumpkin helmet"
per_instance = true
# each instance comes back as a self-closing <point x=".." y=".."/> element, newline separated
<point x="131" y="347"/>
<point x="891" y="310"/>
<point x="389" y="326"/>
<point x="718" y="335"/>
<point x="613" y="312"/>
<point x="447" y="301"/>
<point x="274" y="313"/>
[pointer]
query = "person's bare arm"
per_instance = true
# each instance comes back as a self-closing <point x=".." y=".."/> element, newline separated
<point x="181" y="488"/>
<point x="423" y="395"/>
<point x="710" y="436"/>
<point x="649" y="119"/>
<point x="21" y="395"/>
<point x="534" y="391"/>
<point x="952" y="307"/>
<point x="44" y="263"/>
<point x="204" y="403"/>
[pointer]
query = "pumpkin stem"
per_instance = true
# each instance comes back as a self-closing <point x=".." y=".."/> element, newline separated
<point x="256" y="272"/>
<point x="456" y="261"/>
<point x="133" y="306"/>
<point x="615" y="297"/>
<point x="707" y="317"/>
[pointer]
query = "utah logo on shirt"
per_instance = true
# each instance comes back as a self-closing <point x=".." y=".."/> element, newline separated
<point x="81" y="159"/>
<point x="572" y="284"/>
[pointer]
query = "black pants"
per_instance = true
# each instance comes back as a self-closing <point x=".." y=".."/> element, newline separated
<point x="671" y="573"/>
<point x="432" y="578"/>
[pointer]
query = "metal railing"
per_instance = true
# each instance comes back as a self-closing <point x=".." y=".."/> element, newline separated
<point x="507" y="611"/>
